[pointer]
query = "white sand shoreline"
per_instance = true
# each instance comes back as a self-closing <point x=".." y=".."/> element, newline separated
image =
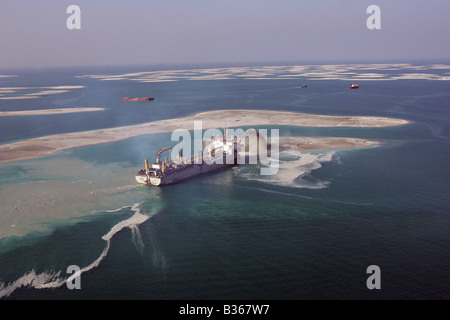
<point x="44" y="146"/>
<point x="47" y="111"/>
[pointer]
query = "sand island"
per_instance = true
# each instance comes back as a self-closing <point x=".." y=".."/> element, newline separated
<point x="43" y="112"/>
<point x="47" y="145"/>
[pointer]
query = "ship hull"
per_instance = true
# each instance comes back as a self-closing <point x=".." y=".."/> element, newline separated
<point x="176" y="177"/>
<point x="144" y="179"/>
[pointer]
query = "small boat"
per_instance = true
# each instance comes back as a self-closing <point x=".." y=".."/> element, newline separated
<point x="138" y="99"/>
<point x="354" y="86"/>
<point x="303" y="86"/>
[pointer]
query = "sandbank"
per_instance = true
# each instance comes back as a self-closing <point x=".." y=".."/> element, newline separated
<point x="312" y="143"/>
<point x="342" y="72"/>
<point x="44" y="146"/>
<point x="46" y="111"/>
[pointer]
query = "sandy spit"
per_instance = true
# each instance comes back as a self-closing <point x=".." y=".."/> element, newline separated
<point x="44" y="146"/>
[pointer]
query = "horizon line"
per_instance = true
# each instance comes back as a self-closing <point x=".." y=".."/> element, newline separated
<point x="232" y="64"/>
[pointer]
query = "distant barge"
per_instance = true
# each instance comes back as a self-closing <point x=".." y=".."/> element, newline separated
<point x="138" y="99"/>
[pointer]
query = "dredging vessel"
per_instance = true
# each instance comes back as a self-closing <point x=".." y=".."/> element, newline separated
<point x="219" y="153"/>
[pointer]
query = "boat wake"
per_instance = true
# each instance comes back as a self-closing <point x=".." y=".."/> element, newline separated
<point x="48" y="280"/>
<point x="136" y="237"/>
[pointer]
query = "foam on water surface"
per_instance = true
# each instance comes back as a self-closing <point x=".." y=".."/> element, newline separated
<point x="293" y="170"/>
<point x="53" y="279"/>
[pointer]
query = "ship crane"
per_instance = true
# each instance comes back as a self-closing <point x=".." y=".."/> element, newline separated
<point x="158" y="154"/>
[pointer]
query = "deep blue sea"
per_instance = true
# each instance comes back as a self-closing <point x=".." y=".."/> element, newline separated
<point x="309" y="233"/>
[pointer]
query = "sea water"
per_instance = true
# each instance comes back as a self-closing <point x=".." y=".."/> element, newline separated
<point x="310" y="232"/>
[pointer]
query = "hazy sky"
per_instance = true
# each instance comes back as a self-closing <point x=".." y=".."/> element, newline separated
<point x="34" y="33"/>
